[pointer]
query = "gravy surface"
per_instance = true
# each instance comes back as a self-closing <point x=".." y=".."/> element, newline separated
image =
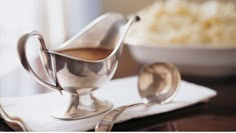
<point x="91" y="54"/>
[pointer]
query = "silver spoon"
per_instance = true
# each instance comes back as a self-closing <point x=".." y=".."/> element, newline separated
<point x="157" y="83"/>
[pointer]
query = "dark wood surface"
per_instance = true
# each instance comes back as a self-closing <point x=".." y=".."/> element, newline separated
<point x="219" y="114"/>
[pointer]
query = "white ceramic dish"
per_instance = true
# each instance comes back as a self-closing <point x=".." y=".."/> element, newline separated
<point x="194" y="61"/>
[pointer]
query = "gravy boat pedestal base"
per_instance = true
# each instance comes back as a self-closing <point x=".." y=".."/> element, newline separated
<point x="75" y="106"/>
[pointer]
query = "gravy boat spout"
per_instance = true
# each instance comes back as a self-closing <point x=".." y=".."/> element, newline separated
<point x="107" y="31"/>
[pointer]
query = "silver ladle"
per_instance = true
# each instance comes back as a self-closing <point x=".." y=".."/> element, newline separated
<point x="157" y="83"/>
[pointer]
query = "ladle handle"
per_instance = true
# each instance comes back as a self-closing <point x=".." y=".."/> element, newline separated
<point x="107" y="122"/>
<point x="21" y="49"/>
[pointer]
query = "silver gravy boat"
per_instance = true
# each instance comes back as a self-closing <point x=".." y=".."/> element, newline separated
<point x="78" y="77"/>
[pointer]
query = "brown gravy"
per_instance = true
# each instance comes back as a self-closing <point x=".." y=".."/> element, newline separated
<point x="91" y="54"/>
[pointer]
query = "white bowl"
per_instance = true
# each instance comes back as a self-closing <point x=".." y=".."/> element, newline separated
<point x="193" y="61"/>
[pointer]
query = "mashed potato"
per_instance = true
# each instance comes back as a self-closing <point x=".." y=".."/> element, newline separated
<point x="184" y="22"/>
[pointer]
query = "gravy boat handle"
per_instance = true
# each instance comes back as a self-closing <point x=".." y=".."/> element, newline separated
<point x="21" y="49"/>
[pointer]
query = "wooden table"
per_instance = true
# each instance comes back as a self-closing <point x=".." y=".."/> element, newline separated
<point x="219" y="114"/>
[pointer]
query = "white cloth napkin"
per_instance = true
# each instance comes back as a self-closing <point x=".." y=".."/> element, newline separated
<point x="34" y="110"/>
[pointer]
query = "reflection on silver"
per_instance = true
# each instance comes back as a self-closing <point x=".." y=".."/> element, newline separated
<point x="80" y="77"/>
<point x="158" y="83"/>
<point x="13" y="121"/>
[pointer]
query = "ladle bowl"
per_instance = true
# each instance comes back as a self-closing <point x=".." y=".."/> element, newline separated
<point x="157" y="84"/>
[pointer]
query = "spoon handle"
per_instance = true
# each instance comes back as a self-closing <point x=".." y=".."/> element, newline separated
<point x="107" y="122"/>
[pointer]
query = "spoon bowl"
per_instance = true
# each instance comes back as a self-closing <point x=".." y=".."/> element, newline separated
<point x="158" y="83"/>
